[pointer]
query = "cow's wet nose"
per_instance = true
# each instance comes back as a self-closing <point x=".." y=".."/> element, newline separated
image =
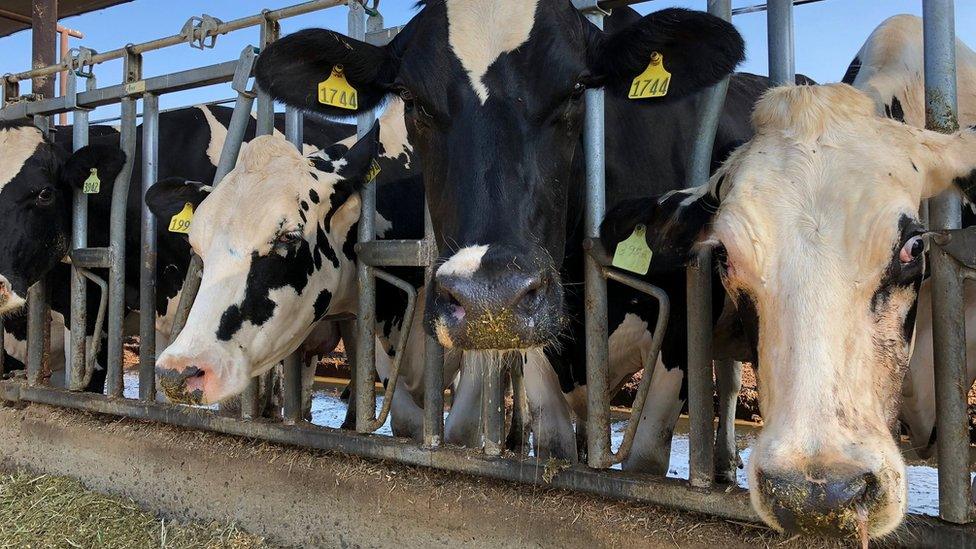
<point x="499" y="301"/>
<point x="183" y="382"/>
<point x="820" y="501"/>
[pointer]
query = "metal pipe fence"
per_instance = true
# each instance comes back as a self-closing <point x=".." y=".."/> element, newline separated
<point x="697" y="494"/>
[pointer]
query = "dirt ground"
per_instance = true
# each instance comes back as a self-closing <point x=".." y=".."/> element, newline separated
<point x="468" y="506"/>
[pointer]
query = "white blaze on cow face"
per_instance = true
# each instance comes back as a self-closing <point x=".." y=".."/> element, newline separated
<point x="464" y="263"/>
<point x="818" y="209"/>
<point x="510" y="22"/>
<point x="17" y="145"/>
<point x="271" y="237"/>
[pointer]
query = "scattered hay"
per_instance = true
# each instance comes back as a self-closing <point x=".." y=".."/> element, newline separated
<point x="47" y="511"/>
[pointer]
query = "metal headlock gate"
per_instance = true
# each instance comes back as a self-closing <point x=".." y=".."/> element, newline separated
<point x="697" y="494"/>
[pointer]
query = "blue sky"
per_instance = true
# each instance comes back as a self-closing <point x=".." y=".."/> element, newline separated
<point x="828" y="34"/>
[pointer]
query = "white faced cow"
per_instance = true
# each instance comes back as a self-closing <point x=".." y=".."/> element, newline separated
<point x="817" y="222"/>
<point x="889" y="68"/>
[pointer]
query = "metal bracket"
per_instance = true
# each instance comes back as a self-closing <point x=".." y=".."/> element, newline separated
<point x="197" y="30"/>
<point x="245" y="66"/>
<point x="591" y="7"/>
<point x="960" y="244"/>
<point x="77" y="59"/>
<point x="11" y="89"/>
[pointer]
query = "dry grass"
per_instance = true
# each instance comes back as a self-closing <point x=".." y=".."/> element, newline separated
<point x="47" y="512"/>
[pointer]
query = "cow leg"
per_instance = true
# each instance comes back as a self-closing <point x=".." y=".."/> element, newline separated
<point x="728" y="377"/>
<point x="551" y="419"/>
<point x="347" y="329"/>
<point x="463" y="425"/>
<point x="651" y="451"/>
<point x="308" y="381"/>
<point x="407" y="417"/>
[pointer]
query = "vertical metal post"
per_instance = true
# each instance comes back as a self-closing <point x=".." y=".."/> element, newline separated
<point x="147" y="257"/>
<point x="433" y="359"/>
<point x="292" y="382"/>
<point x="948" y="318"/>
<point x="493" y="403"/>
<point x="366" y="311"/>
<point x="699" y="287"/>
<point x="75" y="372"/>
<point x="132" y="73"/>
<point x="700" y="387"/>
<point x="39" y="314"/>
<point x="44" y="30"/>
<point x="779" y="33"/>
<point x="597" y="346"/>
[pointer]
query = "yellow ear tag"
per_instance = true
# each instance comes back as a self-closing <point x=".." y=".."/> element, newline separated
<point x="653" y="82"/>
<point x="633" y="254"/>
<point x="93" y="183"/>
<point x="374" y="171"/>
<point x="180" y="223"/>
<point x="335" y="91"/>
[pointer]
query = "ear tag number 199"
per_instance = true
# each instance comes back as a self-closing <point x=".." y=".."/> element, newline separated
<point x="653" y="82"/>
<point x="335" y="91"/>
<point x="180" y="223"/>
<point x="633" y="254"/>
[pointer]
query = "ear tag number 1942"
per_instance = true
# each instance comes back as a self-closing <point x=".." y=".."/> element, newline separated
<point x="92" y="184"/>
<point x="633" y="254"/>
<point x="180" y="223"/>
<point x="653" y="82"/>
<point x="335" y="91"/>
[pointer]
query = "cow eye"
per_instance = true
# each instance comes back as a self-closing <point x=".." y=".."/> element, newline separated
<point x="578" y="89"/>
<point x="45" y="196"/>
<point x="912" y="250"/>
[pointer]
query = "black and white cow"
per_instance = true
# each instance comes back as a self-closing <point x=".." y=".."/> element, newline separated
<point x="821" y="248"/>
<point x="889" y="68"/>
<point x="37" y="234"/>
<point x="494" y="105"/>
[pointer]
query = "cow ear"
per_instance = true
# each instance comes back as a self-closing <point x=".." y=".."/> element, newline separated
<point x="673" y="223"/>
<point x="949" y="161"/>
<point x="107" y="160"/>
<point x="698" y="50"/>
<point x="291" y="69"/>
<point x="167" y="197"/>
<point x="359" y="164"/>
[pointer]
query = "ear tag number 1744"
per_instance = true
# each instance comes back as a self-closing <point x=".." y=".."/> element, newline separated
<point x="633" y="254"/>
<point x="653" y="82"/>
<point x="335" y="91"/>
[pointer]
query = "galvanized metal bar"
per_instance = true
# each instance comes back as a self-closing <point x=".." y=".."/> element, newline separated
<point x="366" y="308"/>
<point x="132" y="72"/>
<point x="700" y="384"/>
<point x="948" y="308"/>
<point x="779" y="33"/>
<point x="396" y="253"/>
<point x="292" y="368"/>
<point x="732" y="503"/>
<point x="595" y="289"/>
<point x="493" y="403"/>
<point x="75" y="371"/>
<point x="408" y="315"/>
<point x="222" y="28"/>
<point x="167" y="83"/>
<point x="147" y="258"/>
<point x="39" y="314"/>
<point x="701" y="433"/>
<point x="433" y="357"/>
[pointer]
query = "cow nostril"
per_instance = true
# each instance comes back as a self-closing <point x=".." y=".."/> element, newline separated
<point x="532" y="296"/>
<point x="193" y="372"/>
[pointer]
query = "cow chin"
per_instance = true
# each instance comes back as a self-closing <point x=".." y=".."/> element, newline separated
<point x="10" y="302"/>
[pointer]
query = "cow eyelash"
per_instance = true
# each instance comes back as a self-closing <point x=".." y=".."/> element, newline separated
<point x="289" y="238"/>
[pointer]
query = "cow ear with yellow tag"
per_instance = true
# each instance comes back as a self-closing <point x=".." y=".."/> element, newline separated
<point x="664" y="56"/>
<point x="174" y="201"/>
<point x="361" y="165"/>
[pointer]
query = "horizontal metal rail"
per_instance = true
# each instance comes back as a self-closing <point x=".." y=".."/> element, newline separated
<point x="181" y="38"/>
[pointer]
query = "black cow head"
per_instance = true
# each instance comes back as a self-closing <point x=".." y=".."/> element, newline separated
<point x="494" y="105"/>
<point x="36" y="183"/>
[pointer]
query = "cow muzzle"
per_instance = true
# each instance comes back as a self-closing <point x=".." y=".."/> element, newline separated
<point x="10" y="300"/>
<point x="194" y="379"/>
<point x="505" y="302"/>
